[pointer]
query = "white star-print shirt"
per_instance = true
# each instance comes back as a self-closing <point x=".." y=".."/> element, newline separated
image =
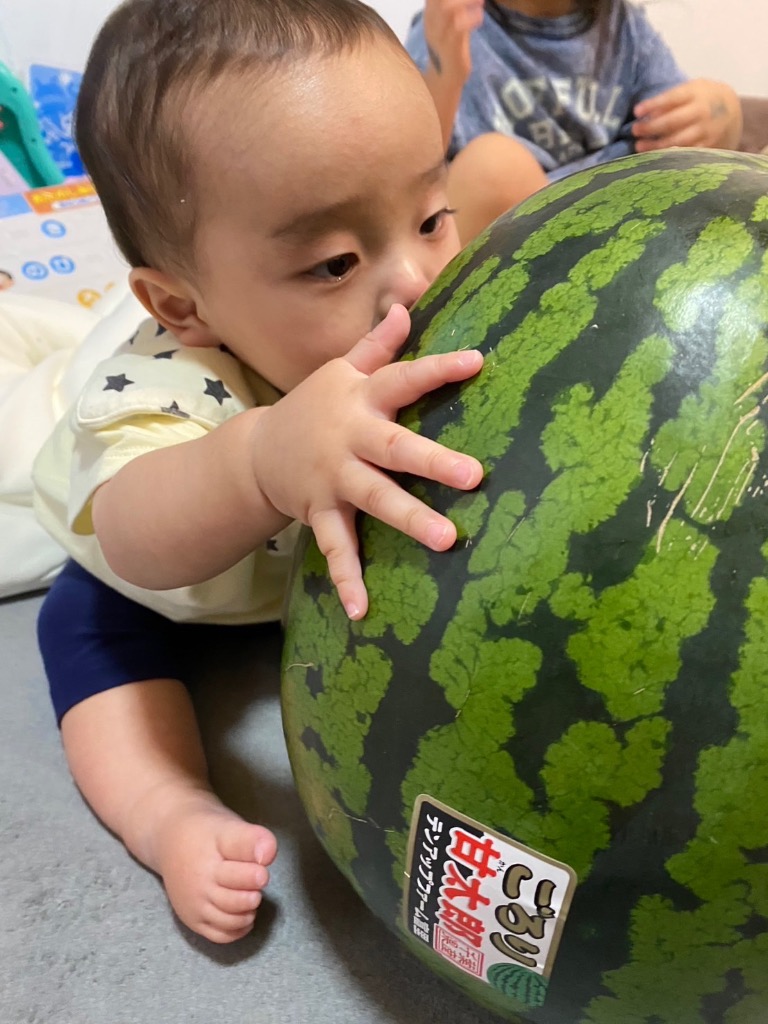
<point x="152" y="393"/>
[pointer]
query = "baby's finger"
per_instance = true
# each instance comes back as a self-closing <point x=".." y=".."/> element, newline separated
<point x="379" y="496"/>
<point x="337" y="539"/>
<point x="400" y="384"/>
<point x="381" y="345"/>
<point x="398" y="450"/>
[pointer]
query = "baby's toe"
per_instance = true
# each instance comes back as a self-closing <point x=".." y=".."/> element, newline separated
<point x="214" y="933"/>
<point x="243" y="842"/>
<point x="221" y="921"/>
<point x="237" y="901"/>
<point x="238" y="874"/>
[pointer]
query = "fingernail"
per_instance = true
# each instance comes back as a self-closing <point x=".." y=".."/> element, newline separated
<point x="436" y="535"/>
<point x="352" y="610"/>
<point x="463" y="473"/>
<point x="468" y="358"/>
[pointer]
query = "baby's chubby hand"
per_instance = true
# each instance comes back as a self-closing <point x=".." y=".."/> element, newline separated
<point x="326" y="449"/>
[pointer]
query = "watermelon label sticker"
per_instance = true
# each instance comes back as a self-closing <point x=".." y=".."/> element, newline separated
<point x="490" y="906"/>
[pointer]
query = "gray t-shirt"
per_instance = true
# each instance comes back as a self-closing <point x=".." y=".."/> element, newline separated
<point x="539" y="79"/>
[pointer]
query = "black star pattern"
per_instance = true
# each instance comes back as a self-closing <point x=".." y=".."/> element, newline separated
<point x="160" y="330"/>
<point x="133" y="338"/>
<point x="118" y="383"/>
<point x="166" y="355"/>
<point x="174" y="410"/>
<point x="216" y="389"/>
<point x="271" y="544"/>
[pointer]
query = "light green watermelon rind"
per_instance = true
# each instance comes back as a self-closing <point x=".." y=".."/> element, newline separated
<point x="504" y="578"/>
<point x="678" y="957"/>
<point x="577" y="425"/>
<point x="623" y="206"/>
<point x="641" y="197"/>
<point x="722" y="248"/>
<point x="707" y="454"/>
<point x="596" y="449"/>
<point x="469" y="513"/>
<point x="575" y="827"/>
<point x="334" y="788"/>
<point x="493" y="409"/>
<point x="642" y="623"/>
<point x="481" y="300"/>
<point x="492" y="406"/>
<point x="401" y="589"/>
<point x="732" y="783"/>
<point x="492" y="675"/>
<point x="611" y="772"/>
<point x="760" y="212"/>
<point x="630" y="647"/>
<point x="449" y="274"/>
<point x="640" y="164"/>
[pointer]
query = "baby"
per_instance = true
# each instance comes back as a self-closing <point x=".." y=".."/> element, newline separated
<point x="273" y="171"/>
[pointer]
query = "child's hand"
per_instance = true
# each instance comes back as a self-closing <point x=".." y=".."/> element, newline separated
<point x="448" y="24"/>
<point x="696" y="113"/>
<point x="325" y="450"/>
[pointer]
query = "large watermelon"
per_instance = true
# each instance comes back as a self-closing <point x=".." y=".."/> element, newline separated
<point x="542" y="758"/>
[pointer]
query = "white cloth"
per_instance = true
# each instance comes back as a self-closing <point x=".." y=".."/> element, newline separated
<point x="48" y="349"/>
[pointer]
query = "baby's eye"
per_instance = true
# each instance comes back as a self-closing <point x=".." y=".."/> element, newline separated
<point x="336" y="267"/>
<point x="436" y="221"/>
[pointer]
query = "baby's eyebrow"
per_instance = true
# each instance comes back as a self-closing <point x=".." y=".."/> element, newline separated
<point x="312" y="223"/>
<point x="308" y="224"/>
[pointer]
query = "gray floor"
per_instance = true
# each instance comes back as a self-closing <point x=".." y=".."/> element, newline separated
<point x="86" y="936"/>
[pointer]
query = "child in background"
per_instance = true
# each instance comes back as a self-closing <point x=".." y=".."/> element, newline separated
<point x="531" y="90"/>
<point x="279" y="219"/>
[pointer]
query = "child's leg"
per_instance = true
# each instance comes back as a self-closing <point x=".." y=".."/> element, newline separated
<point x="487" y="177"/>
<point x="135" y="753"/>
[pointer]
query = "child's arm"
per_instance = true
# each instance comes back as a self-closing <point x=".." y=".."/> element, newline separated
<point x="448" y="25"/>
<point x="183" y="514"/>
<point x="697" y="113"/>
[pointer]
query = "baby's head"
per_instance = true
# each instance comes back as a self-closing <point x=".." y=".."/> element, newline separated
<point x="152" y="68"/>
<point x="272" y="169"/>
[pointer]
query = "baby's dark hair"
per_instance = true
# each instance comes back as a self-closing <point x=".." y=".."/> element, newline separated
<point x="152" y="58"/>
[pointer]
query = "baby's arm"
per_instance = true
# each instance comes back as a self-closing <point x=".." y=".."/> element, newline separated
<point x="697" y="113"/>
<point x="448" y="25"/>
<point x="185" y="513"/>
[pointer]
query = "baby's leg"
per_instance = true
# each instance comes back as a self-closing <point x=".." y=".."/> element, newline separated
<point x="135" y="752"/>
<point x="136" y="755"/>
<point x="491" y="174"/>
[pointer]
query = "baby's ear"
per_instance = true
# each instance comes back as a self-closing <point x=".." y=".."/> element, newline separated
<point x="169" y="301"/>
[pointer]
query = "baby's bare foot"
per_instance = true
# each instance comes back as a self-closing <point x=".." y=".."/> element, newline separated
<point x="214" y="866"/>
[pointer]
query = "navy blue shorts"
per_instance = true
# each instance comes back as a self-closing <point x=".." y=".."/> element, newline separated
<point x="93" y="639"/>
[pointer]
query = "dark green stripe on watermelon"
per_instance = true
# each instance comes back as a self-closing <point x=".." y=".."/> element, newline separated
<point x="583" y="671"/>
